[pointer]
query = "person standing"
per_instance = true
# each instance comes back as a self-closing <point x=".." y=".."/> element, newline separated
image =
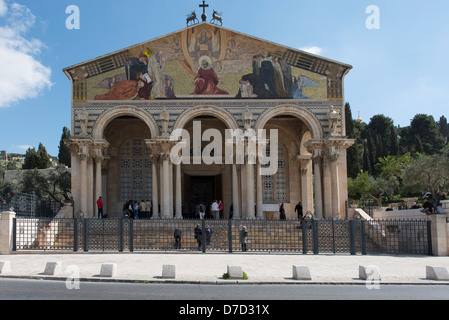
<point x="282" y="212"/>
<point x="202" y="210"/>
<point x="198" y="235"/>
<point x="243" y="237"/>
<point x="298" y="210"/>
<point x="100" y="208"/>
<point x="208" y="235"/>
<point x="136" y="210"/>
<point x="143" y="209"/>
<point x="220" y="209"/>
<point x="215" y="210"/>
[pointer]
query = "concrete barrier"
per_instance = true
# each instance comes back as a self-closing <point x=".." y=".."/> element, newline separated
<point x="437" y="273"/>
<point x="53" y="268"/>
<point x="5" y="267"/>
<point x="108" y="270"/>
<point x="301" y="273"/>
<point x="371" y="272"/>
<point x="235" y="272"/>
<point x="169" y="271"/>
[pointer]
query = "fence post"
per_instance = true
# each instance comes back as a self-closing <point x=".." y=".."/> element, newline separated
<point x="429" y="238"/>
<point x="230" y="235"/>
<point x="86" y="234"/>
<point x="131" y="235"/>
<point x="121" y="236"/>
<point x="304" y="236"/>
<point x="315" y="236"/>
<point x="352" y="237"/>
<point x="75" y="235"/>
<point x="203" y="235"/>
<point x="363" y="236"/>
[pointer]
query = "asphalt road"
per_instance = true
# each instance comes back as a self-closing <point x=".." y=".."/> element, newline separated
<point x="25" y="289"/>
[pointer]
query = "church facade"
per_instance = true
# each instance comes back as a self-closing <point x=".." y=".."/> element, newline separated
<point x="206" y="79"/>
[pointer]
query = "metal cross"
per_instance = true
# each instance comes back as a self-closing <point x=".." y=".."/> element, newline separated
<point x="204" y="6"/>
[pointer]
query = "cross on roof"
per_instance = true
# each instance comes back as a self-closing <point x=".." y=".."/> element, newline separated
<point x="204" y="6"/>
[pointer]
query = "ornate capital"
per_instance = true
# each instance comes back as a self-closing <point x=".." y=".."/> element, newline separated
<point x="165" y="156"/>
<point x="333" y="156"/>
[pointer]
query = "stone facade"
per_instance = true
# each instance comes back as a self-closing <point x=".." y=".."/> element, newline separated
<point x="120" y="148"/>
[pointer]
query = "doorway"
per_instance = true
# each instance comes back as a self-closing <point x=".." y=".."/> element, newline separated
<point x="201" y="188"/>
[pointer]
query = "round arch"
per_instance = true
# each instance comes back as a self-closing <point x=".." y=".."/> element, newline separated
<point x="106" y="117"/>
<point x="302" y="114"/>
<point x="188" y="115"/>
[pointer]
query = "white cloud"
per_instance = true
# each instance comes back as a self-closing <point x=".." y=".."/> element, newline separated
<point x="3" y="8"/>
<point x="22" y="76"/>
<point x="312" y="50"/>
<point x="24" y="147"/>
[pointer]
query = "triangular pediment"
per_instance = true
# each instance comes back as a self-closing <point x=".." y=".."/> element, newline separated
<point x="207" y="61"/>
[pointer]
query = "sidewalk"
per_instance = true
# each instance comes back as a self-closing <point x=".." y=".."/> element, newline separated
<point x="209" y="268"/>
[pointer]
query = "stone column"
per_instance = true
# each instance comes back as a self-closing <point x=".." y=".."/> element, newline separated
<point x="91" y="202"/>
<point x="333" y="157"/>
<point x="317" y="161"/>
<point x="178" y="192"/>
<point x="6" y="231"/>
<point x="440" y="234"/>
<point x="327" y="189"/>
<point x="165" y="184"/>
<point x="75" y="181"/>
<point x="155" y="187"/>
<point x="170" y="179"/>
<point x="250" y="187"/>
<point x="259" y="192"/>
<point x="235" y="192"/>
<point x="83" y="184"/>
<point x="98" y="177"/>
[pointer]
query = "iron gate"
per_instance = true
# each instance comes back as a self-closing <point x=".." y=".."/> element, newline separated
<point x="314" y="236"/>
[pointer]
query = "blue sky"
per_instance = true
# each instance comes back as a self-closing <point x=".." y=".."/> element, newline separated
<point x="399" y="70"/>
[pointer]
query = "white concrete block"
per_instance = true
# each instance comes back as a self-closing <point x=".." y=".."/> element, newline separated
<point x="301" y="273"/>
<point x="437" y="273"/>
<point x="169" y="271"/>
<point x="371" y="272"/>
<point x="5" y="267"/>
<point x="108" y="270"/>
<point x="53" y="268"/>
<point x="235" y="272"/>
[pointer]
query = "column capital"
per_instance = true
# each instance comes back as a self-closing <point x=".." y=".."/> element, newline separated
<point x="155" y="158"/>
<point x="165" y="156"/>
<point x="333" y="156"/>
<point x="83" y="156"/>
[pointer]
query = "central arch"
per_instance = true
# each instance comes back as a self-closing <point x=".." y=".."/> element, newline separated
<point x="188" y="115"/>
<point x="106" y="117"/>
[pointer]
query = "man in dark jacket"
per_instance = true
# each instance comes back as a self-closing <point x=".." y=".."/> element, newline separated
<point x="298" y="210"/>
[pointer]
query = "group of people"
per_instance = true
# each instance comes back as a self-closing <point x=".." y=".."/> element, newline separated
<point x="298" y="211"/>
<point x="214" y="210"/>
<point x="138" y="210"/>
<point x="198" y="232"/>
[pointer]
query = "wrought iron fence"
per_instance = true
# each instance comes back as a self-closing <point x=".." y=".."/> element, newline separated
<point x="313" y="236"/>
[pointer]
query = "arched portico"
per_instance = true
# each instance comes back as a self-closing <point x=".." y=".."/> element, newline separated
<point x="106" y="117"/>
<point x="206" y="110"/>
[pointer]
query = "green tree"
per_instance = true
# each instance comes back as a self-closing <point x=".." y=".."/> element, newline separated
<point x="353" y="158"/>
<point x="423" y="136"/>
<point x="31" y="159"/>
<point x="444" y="128"/>
<point x="427" y="173"/>
<point x="56" y="184"/>
<point x="44" y="161"/>
<point x="64" y="156"/>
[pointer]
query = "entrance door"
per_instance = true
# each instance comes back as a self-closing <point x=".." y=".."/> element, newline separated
<point x="202" y="189"/>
